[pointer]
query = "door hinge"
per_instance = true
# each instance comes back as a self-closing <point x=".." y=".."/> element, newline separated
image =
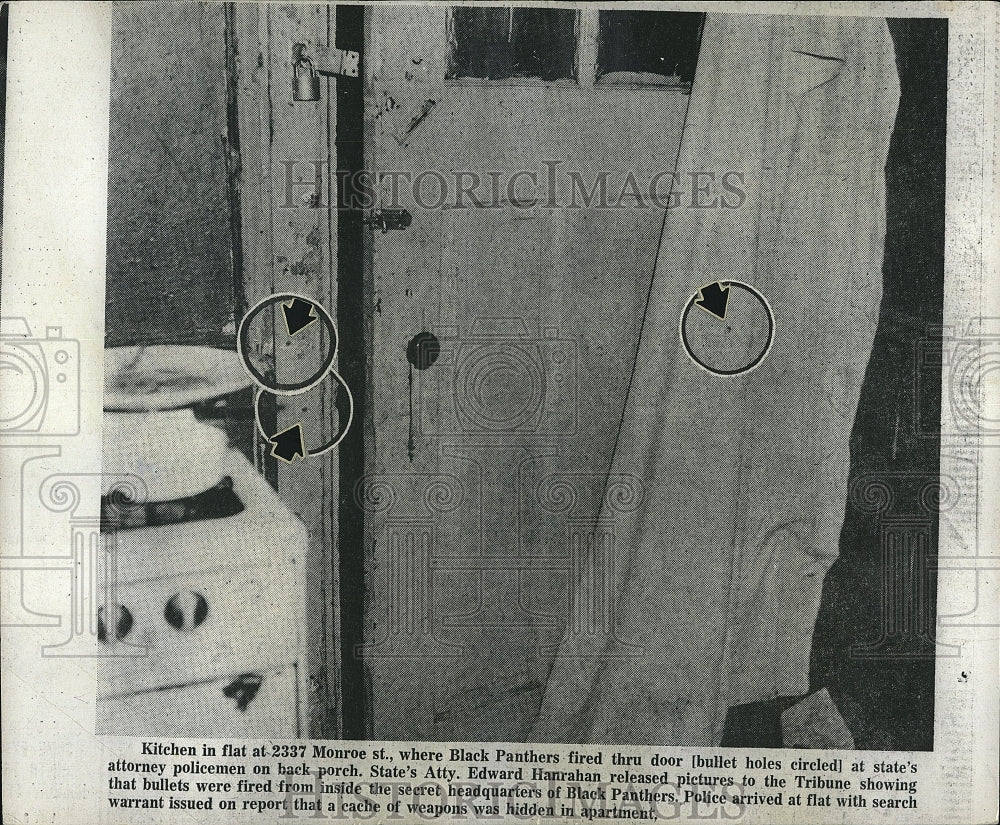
<point x="386" y="219"/>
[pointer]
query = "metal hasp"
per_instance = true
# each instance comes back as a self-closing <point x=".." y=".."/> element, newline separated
<point x="319" y="60"/>
<point x="386" y="219"/>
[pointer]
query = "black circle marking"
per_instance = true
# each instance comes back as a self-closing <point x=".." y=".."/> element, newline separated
<point x="341" y="433"/>
<point x="764" y="350"/>
<point x="277" y="387"/>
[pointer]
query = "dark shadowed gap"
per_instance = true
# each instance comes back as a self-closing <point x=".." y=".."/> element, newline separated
<point x="352" y="312"/>
<point x="234" y="166"/>
<point x="881" y="676"/>
<point x="884" y="682"/>
<point x="238" y="411"/>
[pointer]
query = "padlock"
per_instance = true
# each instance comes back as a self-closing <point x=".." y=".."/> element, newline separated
<point x="305" y="86"/>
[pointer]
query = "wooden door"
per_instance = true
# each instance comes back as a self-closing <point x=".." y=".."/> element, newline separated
<point x="504" y="330"/>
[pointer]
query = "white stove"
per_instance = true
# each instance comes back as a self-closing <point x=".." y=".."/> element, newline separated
<point x="203" y="616"/>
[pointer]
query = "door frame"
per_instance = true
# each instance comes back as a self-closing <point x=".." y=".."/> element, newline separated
<point x="283" y="245"/>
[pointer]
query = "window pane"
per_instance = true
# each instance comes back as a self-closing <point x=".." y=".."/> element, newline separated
<point x="481" y="46"/>
<point x="495" y="43"/>
<point x="544" y="43"/>
<point x="652" y="42"/>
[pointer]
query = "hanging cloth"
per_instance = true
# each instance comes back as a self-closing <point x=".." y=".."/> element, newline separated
<point x="719" y="570"/>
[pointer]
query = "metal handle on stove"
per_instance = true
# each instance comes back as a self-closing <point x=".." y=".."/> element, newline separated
<point x="243" y="689"/>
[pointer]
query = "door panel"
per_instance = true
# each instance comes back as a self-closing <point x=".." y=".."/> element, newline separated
<point x="486" y="470"/>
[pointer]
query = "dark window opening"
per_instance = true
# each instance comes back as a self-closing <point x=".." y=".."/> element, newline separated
<point x="497" y="43"/>
<point x="653" y="47"/>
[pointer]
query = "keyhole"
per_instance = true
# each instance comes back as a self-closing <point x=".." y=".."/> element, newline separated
<point x="423" y="350"/>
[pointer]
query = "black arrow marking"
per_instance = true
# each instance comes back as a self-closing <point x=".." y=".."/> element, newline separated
<point x="288" y="444"/>
<point x="713" y="298"/>
<point x="298" y="315"/>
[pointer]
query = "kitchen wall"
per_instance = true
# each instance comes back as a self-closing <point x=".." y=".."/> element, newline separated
<point x="170" y="264"/>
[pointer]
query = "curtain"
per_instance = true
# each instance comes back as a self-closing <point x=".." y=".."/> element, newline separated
<point x="718" y="571"/>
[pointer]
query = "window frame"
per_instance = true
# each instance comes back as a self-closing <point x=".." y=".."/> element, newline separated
<point x="586" y="34"/>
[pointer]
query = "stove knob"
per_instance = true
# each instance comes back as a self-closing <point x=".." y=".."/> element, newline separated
<point x="123" y="623"/>
<point x="185" y="610"/>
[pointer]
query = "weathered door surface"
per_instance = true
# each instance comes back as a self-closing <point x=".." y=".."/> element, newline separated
<point x="504" y="329"/>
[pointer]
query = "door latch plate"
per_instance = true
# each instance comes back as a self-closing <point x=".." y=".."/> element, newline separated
<point x="386" y="219"/>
